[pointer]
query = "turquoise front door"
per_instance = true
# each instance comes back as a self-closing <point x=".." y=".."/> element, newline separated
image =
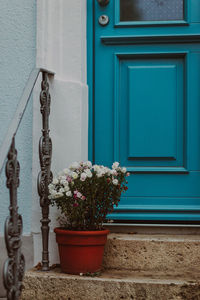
<point x="145" y="106"/>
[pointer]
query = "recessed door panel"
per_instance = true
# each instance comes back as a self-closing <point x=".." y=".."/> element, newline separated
<point x="152" y="111"/>
<point x="155" y="111"/>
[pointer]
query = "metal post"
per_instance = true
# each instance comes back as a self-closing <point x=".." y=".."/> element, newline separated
<point x="14" y="265"/>
<point x="45" y="176"/>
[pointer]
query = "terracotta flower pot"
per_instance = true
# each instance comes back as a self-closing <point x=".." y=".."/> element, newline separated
<point x="80" y="251"/>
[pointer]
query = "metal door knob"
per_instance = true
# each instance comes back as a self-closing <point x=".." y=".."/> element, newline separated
<point x="103" y="2"/>
<point x="103" y="20"/>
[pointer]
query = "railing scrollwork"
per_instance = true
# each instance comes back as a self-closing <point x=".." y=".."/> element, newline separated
<point x="45" y="176"/>
<point x="15" y="263"/>
<point x="14" y="266"/>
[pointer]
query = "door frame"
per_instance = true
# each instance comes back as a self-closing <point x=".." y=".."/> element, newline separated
<point x="90" y="76"/>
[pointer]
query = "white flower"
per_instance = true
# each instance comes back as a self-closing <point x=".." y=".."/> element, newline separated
<point x="64" y="182"/>
<point x="79" y="195"/>
<point x="114" y="172"/>
<point x="53" y="193"/>
<point x="123" y="170"/>
<point x="88" y="173"/>
<point x="55" y="181"/>
<point x="61" y="190"/>
<point x="74" y="175"/>
<point x="96" y="168"/>
<point x="83" y="176"/>
<point x="58" y="195"/>
<point x="99" y="174"/>
<point x="102" y="170"/>
<point x="51" y="186"/>
<point x="66" y="171"/>
<point x="75" y="165"/>
<point x="69" y="194"/>
<point x="115" y="165"/>
<point x="107" y="171"/>
<point x="115" y="181"/>
<point x="88" y="164"/>
<point x="66" y="188"/>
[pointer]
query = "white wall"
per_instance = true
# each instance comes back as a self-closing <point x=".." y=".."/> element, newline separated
<point x="61" y="47"/>
<point x="17" y="59"/>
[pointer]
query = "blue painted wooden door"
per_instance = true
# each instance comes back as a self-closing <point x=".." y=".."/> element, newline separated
<point x="147" y="104"/>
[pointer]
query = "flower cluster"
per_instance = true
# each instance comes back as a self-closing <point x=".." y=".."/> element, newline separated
<point x="86" y="193"/>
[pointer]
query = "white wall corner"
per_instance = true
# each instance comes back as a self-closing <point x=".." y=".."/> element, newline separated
<point x="61" y="47"/>
<point x="61" y="38"/>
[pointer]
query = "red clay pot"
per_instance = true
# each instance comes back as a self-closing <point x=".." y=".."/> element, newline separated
<point x="80" y="251"/>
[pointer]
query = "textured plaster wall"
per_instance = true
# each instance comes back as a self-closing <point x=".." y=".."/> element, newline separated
<point x="17" y="58"/>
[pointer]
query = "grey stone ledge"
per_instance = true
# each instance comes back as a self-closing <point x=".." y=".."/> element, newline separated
<point x="152" y="252"/>
<point x="112" y="284"/>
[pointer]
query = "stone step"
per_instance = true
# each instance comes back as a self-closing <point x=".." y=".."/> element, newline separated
<point x="152" y="252"/>
<point x="111" y="284"/>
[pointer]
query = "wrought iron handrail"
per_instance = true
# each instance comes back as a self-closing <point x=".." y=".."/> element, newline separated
<point x="15" y="263"/>
<point x="19" y="113"/>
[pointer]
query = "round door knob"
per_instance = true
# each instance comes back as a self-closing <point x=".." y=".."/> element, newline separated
<point x="103" y="2"/>
<point x="103" y="20"/>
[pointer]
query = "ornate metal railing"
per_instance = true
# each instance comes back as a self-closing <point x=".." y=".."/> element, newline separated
<point x="14" y="266"/>
<point x="45" y="176"/>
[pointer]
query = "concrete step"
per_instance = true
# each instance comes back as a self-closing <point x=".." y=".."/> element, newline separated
<point x="152" y="252"/>
<point x="111" y="284"/>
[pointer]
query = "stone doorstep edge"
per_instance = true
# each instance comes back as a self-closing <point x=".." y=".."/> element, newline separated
<point x="129" y="279"/>
<point x="59" y="286"/>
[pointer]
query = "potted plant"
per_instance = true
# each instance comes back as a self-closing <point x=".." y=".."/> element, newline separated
<point x="85" y="194"/>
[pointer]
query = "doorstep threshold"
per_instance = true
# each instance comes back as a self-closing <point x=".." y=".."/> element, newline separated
<point x="143" y="228"/>
<point x="151" y="225"/>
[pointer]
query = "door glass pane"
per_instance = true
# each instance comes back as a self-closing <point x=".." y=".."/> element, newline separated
<point x="151" y="10"/>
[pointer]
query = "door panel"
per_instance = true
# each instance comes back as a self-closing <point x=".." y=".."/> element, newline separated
<point x="155" y="111"/>
<point x="147" y="111"/>
<point x="146" y="116"/>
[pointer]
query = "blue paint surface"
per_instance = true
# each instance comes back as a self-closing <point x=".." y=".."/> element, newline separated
<point x="147" y="113"/>
<point x="153" y="130"/>
<point x="17" y="59"/>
